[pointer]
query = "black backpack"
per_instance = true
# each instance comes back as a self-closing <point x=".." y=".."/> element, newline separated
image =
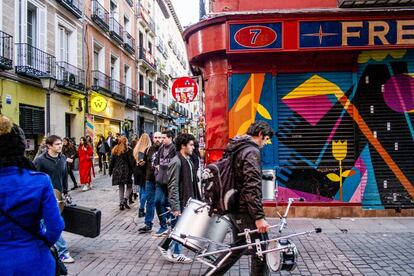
<point x="218" y="183"/>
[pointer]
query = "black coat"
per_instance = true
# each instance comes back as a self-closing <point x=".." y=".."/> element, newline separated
<point x="121" y="168"/>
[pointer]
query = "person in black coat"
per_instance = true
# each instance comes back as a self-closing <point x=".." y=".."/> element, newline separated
<point x="101" y="150"/>
<point x="71" y="154"/>
<point x="121" y="169"/>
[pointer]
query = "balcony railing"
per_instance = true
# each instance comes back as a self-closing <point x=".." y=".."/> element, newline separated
<point x="116" y="31"/>
<point x="101" y="82"/>
<point x="74" y="6"/>
<point x="130" y="3"/>
<point x="147" y="101"/>
<point x="129" y="43"/>
<point x="148" y="58"/>
<point x="6" y="51"/>
<point x="70" y="76"/>
<point x="33" y="62"/>
<point x="162" y="79"/>
<point x="144" y="14"/>
<point x="118" y="89"/>
<point x="131" y="94"/>
<point x="100" y="15"/>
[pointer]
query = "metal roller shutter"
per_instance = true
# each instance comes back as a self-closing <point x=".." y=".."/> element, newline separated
<point x="384" y="99"/>
<point x="309" y="118"/>
<point x="32" y="119"/>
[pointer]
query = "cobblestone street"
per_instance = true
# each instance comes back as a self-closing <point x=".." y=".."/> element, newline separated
<point x="375" y="246"/>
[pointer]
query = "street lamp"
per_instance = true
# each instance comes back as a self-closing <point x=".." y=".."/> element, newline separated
<point x="155" y="112"/>
<point x="48" y="83"/>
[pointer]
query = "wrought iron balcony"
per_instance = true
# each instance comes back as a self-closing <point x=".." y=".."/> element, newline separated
<point x="100" y="15"/>
<point x="130" y="3"/>
<point x="116" y="31"/>
<point x="118" y="89"/>
<point x="162" y="79"/>
<point x="143" y="14"/>
<point x="147" y="101"/>
<point x="74" y="6"/>
<point x="6" y="51"/>
<point x="33" y="62"/>
<point x="70" y="76"/>
<point x="129" y="43"/>
<point x="131" y="95"/>
<point x="101" y="82"/>
<point x="148" y="58"/>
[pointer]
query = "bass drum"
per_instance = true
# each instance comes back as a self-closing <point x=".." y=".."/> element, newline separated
<point x="284" y="259"/>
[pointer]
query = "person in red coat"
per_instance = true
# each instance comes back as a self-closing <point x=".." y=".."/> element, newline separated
<point x="85" y="153"/>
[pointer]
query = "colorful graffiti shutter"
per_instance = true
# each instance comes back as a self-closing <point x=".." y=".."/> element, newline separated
<point x="310" y="118"/>
<point x="385" y="101"/>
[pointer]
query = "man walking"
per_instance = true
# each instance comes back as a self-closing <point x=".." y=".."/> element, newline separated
<point x="182" y="185"/>
<point x="109" y="144"/>
<point x="53" y="163"/>
<point x="149" y="158"/>
<point x="250" y="214"/>
<point x="164" y="155"/>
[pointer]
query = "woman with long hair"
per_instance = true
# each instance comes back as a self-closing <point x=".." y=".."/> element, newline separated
<point x="30" y="221"/>
<point x="143" y="144"/>
<point x="69" y="151"/>
<point x="121" y="169"/>
<point x="85" y="153"/>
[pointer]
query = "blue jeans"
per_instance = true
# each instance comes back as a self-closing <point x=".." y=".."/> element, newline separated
<point x="168" y="243"/>
<point x="62" y="246"/>
<point x="142" y="197"/>
<point x="150" y="192"/>
<point x="161" y="203"/>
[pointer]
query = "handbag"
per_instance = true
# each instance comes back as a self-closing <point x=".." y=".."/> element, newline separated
<point x="60" y="268"/>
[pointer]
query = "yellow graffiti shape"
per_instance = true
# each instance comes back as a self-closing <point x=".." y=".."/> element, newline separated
<point x="366" y="56"/>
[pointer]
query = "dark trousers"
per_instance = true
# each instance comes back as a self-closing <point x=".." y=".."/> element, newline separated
<point x="101" y="160"/>
<point x="258" y="267"/>
<point x="70" y="173"/>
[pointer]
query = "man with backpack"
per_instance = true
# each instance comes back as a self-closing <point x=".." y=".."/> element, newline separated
<point x="182" y="185"/>
<point x="164" y="155"/>
<point x="241" y="162"/>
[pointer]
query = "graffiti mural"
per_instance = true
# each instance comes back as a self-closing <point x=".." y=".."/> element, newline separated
<point x="342" y="136"/>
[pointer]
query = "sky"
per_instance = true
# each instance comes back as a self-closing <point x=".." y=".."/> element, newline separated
<point x="187" y="11"/>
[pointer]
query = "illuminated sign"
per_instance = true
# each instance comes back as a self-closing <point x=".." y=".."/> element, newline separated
<point x="349" y="34"/>
<point x="98" y="103"/>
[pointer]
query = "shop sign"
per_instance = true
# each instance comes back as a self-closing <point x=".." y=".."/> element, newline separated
<point x="184" y="90"/>
<point x="348" y="34"/>
<point x="255" y="36"/>
<point x="98" y="103"/>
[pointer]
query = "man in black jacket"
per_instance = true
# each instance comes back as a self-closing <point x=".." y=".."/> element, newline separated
<point x="182" y="185"/>
<point x="250" y="215"/>
<point x="149" y="158"/>
<point x="53" y="163"/>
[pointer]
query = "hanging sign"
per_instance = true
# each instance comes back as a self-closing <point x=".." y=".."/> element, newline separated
<point x="184" y="90"/>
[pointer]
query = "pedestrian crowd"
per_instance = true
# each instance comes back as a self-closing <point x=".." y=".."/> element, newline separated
<point x="162" y="171"/>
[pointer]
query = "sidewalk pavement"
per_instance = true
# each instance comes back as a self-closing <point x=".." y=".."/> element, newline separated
<point x="360" y="246"/>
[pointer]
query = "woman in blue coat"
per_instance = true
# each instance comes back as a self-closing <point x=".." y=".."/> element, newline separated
<point x="27" y="196"/>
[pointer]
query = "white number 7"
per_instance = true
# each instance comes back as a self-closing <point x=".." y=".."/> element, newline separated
<point x="255" y="33"/>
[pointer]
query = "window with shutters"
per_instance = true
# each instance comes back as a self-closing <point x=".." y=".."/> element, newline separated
<point x="63" y="45"/>
<point x="32" y="119"/>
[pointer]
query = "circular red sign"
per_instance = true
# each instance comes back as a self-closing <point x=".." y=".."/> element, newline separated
<point x="184" y="90"/>
<point x="255" y="36"/>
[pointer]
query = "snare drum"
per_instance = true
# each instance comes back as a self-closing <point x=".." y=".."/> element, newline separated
<point x="195" y="222"/>
<point x="284" y="259"/>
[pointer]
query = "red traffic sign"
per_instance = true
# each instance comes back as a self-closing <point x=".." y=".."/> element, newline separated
<point x="184" y="90"/>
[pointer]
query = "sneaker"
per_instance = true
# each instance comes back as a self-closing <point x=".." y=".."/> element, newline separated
<point x="67" y="259"/>
<point x="144" y="229"/>
<point x="166" y="254"/>
<point x="84" y="188"/>
<point x="161" y="232"/>
<point x="181" y="259"/>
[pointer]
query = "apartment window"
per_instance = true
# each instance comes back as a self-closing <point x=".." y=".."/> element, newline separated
<point x="149" y="87"/>
<point x="114" y="73"/>
<point x="113" y="61"/>
<point x="98" y="58"/>
<point x="114" y="9"/>
<point x="127" y="24"/>
<point x="141" y="39"/>
<point x="31" y="35"/>
<point x="141" y="82"/>
<point x="64" y="36"/>
<point x="150" y="47"/>
<point x="127" y="75"/>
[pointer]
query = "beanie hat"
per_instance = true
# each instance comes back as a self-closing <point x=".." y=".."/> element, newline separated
<point x="12" y="139"/>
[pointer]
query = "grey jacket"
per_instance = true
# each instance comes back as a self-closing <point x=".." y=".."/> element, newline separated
<point x="56" y="168"/>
